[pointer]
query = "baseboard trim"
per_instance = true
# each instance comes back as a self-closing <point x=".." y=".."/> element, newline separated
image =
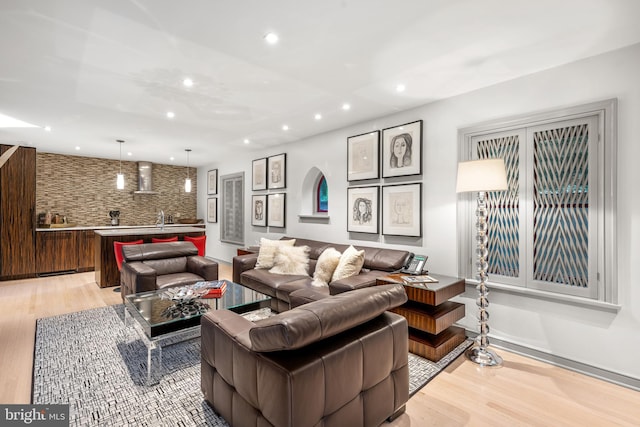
<point x="583" y="368"/>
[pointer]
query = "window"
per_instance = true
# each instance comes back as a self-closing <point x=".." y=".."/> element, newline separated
<point x="552" y="231"/>
<point x="232" y="219"/>
<point x="322" y="196"/>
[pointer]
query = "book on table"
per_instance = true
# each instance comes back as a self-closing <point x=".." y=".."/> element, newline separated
<point x="216" y="288"/>
<point x="423" y="278"/>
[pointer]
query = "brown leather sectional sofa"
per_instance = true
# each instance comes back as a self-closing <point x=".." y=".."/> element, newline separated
<point x="339" y="361"/>
<point x="152" y="266"/>
<point x="378" y="262"/>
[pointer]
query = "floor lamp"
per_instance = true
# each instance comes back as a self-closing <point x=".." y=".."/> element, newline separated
<point x="482" y="176"/>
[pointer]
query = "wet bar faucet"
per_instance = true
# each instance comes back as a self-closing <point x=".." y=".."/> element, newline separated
<point x="160" y="221"/>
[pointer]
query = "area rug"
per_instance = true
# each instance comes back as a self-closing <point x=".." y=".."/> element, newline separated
<point x="90" y="361"/>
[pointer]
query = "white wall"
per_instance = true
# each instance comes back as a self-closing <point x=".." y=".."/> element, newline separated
<point x="605" y="340"/>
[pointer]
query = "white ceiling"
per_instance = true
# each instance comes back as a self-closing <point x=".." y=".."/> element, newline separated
<point x="101" y="70"/>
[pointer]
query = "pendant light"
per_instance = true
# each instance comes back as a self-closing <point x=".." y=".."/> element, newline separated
<point x="187" y="182"/>
<point x="120" y="176"/>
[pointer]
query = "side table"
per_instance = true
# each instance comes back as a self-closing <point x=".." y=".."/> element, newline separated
<point x="248" y="250"/>
<point x="431" y="315"/>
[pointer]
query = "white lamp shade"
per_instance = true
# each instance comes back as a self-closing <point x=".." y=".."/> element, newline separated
<point x="481" y="175"/>
<point x="187" y="185"/>
<point x="120" y="182"/>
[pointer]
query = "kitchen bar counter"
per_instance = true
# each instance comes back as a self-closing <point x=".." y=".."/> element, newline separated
<point x="107" y="273"/>
<point x="117" y="227"/>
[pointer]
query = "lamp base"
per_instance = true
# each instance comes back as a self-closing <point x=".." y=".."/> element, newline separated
<point x="483" y="356"/>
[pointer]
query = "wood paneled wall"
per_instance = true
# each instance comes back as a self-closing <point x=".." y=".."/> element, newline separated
<point x="17" y="217"/>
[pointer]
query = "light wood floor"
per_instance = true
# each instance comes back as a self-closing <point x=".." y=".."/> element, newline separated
<point x="524" y="392"/>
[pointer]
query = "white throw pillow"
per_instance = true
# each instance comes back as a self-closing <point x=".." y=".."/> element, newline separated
<point x="268" y="249"/>
<point x="327" y="263"/>
<point x="291" y="260"/>
<point x="350" y="264"/>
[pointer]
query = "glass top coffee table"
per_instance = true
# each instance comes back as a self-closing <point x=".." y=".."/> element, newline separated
<point x="161" y="322"/>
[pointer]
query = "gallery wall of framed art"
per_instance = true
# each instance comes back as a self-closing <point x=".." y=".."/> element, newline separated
<point x="377" y="160"/>
<point x="269" y="173"/>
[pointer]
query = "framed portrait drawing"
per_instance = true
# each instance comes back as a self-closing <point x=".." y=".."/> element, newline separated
<point x="212" y="209"/>
<point x="259" y="174"/>
<point x="402" y="210"/>
<point x="363" y="153"/>
<point x="276" y="209"/>
<point x="402" y="150"/>
<point x="212" y="182"/>
<point x="362" y="207"/>
<point x="259" y="210"/>
<point x="277" y="171"/>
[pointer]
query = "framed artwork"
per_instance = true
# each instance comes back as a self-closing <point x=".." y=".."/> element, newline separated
<point x="402" y="150"/>
<point x="363" y="209"/>
<point x="276" y="209"/>
<point x="212" y="209"/>
<point x="259" y="174"/>
<point x="277" y="171"/>
<point x="259" y="210"/>
<point x="212" y="181"/>
<point x="363" y="153"/>
<point x="402" y="210"/>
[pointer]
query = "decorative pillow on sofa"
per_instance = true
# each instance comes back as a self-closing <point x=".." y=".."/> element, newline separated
<point x="267" y="252"/>
<point x="327" y="263"/>
<point x="350" y="264"/>
<point x="291" y="260"/>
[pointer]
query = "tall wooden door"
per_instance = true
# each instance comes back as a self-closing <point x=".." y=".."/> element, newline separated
<point x="17" y="214"/>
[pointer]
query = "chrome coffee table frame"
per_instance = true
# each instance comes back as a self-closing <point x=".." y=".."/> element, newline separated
<point x="143" y="313"/>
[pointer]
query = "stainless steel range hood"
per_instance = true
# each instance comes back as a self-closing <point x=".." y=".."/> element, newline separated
<point x="145" y="178"/>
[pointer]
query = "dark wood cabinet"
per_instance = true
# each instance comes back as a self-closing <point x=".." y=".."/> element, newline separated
<point x="17" y="214"/>
<point x="86" y="250"/>
<point x="57" y="251"/>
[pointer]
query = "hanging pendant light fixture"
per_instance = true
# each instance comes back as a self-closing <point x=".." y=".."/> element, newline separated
<point x="187" y="182"/>
<point x="120" y="176"/>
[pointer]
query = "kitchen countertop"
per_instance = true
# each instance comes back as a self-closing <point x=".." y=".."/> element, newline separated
<point x="122" y="227"/>
<point x="126" y="231"/>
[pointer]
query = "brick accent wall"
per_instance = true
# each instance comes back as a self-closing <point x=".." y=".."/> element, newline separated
<point x="84" y="189"/>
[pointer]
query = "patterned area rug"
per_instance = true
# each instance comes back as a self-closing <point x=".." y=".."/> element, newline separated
<point x="90" y="361"/>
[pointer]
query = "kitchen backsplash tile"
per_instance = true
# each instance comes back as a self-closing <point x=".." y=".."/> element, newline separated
<point x="84" y="190"/>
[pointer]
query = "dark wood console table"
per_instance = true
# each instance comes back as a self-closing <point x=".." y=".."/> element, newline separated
<point x="431" y="315"/>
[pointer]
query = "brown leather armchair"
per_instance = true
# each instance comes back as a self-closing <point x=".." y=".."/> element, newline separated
<point x="152" y="266"/>
<point x="339" y="361"/>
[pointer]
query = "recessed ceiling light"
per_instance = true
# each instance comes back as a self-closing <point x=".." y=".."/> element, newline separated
<point x="171" y="158"/>
<point x="318" y="116"/>
<point x="271" y="38"/>
<point x="400" y="87"/>
<point x="346" y="106"/>
<point x="77" y="148"/>
<point x="129" y="153"/>
<point x="246" y="141"/>
<point x="285" y="127"/>
<point x="171" y="114"/>
<point x="187" y="82"/>
<point x="10" y="122"/>
<point x="47" y="128"/>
